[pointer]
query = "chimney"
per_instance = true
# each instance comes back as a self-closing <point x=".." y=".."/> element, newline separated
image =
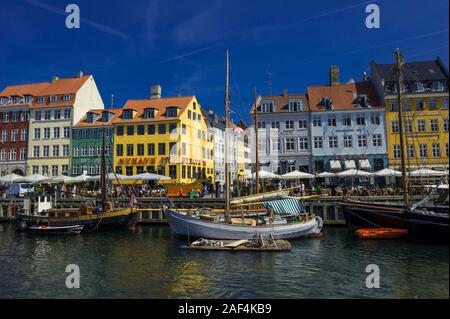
<point x="334" y="75"/>
<point x="285" y="91"/>
<point x="79" y="74"/>
<point x="155" y="92"/>
<point x="54" y="78"/>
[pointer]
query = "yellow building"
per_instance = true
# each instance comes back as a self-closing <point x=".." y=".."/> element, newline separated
<point x="425" y="104"/>
<point x="166" y="136"/>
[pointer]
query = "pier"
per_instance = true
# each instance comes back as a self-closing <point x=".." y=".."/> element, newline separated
<point x="151" y="208"/>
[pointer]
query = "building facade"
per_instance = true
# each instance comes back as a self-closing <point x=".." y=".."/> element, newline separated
<point x="167" y="136"/>
<point x="87" y="139"/>
<point x="15" y="104"/>
<point x="425" y="105"/>
<point x="52" y="114"/>
<point x="283" y="133"/>
<point x="347" y="126"/>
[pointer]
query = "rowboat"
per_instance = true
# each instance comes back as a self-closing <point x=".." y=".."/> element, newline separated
<point x="381" y="233"/>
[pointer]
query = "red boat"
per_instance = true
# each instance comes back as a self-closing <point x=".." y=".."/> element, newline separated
<point x="381" y="233"/>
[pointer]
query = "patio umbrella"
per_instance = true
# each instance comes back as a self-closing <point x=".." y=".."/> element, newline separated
<point x="78" y="179"/>
<point x="265" y="175"/>
<point x="354" y="172"/>
<point x="36" y="178"/>
<point x="425" y="172"/>
<point x="326" y="174"/>
<point x="11" y="178"/>
<point x="388" y="172"/>
<point x="147" y="177"/>
<point x="296" y="175"/>
<point x="58" y="179"/>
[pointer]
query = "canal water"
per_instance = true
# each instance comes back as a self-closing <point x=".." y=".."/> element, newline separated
<point x="151" y="263"/>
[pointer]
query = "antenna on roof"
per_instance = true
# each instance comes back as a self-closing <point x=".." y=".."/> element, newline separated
<point x="112" y="100"/>
<point x="269" y="82"/>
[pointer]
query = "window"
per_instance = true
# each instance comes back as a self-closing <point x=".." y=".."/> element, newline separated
<point x="289" y="125"/>
<point x="23" y="153"/>
<point x="421" y="126"/>
<point x="290" y="144"/>
<point x="56" y="132"/>
<point x="406" y="105"/>
<point x="118" y="169"/>
<point x="161" y="148"/>
<point x="194" y="116"/>
<point x="303" y="124"/>
<point x="47" y="115"/>
<point x="67" y="132"/>
<point x="47" y="133"/>
<point x="171" y="112"/>
<point x="418" y="87"/>
<point x="15" y="116"/>
<point x="149" y="113"/>
<point x="266" y="107"/>
<point x="108" y="150"/>
<point x="91" y="151"/>
<point x="45" y="170"/>
<point x="151" y="169"/>
<point x="129" y="170"/>
<point x="376" y="140"/>
<point x="12" y="154"/>
<point x="3" y="155"/>
<point x="434" y="126"/>
<point x="46" y="151"/>
<point x="303" y="143"/>
<point x="119" y="150"/>
<point x="408" y="126"/>
<point x="348" y="141"/>
<point x="346" y="120"/>
<point x="14" y="134"/>
<point x="393" y="105"/>
<point x="162" y="129"/>
<point x="67" y="113"/>
<point x="57" y="114"/>
<point x="35" y="169"/>
<point x="295" y="106"/>
<point x="275" y="125"/>
<point x="189" y="115"/>
<point x="66" y="97"/>
<point x="395" y="127"/>
<point x="445" y="103"/>
<point x="173" y="171"/>
<point x="130" y="130"/>
<point x="261" y="125"/>
<point x="362" y="141"/>
<point x="127" y="114"/>
<point x="130" y="149"/>
<point x="333" y="141"/>
<point x="141" y="129"/>
<point x="332" y="120"/>
<point x="318" y="142"/>
<point x="151" y="129"/>
<point x="5" y="117"/>
<point x="36" y="151"/>
<point x="275" y="145"/>
<point x="41" y="99"/>
<point x="173" y="128"/>
<point x="76" y="152"/>
<point x="55" y="150"/>
<point x="423" y="151"/>
<point x="317" y="121"/>
<point x="446" y="149"/>
<point x="445" y="125"/>
<point x="37" y="116"/>
<point x="4" y="136"/>
<point x="119" y="130"/>
<point x="23" y="134"/>
<point x="411" y="152"/>
<point x="84" y="151"/>
<point x="419" y="104"/>
<point x="53" y="98"/>
<point x="151" y="149"/>
<point x="360" y="120"/>
<point x="396" y="149"/>
<point x="432" y="104"/>
<point x="375" y="119"/>
<point x="140" y="149"/>
<point x="436" y="150"/>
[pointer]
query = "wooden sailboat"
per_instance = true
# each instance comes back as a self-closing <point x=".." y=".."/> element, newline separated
<point x="421" y="224"/>
<point x="96" y="215"/>
<point x="295" y="223"/>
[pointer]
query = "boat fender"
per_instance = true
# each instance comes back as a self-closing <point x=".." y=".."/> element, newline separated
<point x="23" y="225"/>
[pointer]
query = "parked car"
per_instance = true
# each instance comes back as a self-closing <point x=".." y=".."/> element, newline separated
<point x="19" y="189"/>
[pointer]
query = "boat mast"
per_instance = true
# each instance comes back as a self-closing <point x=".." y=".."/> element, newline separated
<point x="227" y="115"/>
<point x="255" y="115"/>
<point x="399" y="77"/>
<point x="103" y="172"/>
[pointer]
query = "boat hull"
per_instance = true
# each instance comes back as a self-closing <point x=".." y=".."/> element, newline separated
<point x="183" y="225"/>
<point x="426" y="227"/>
<point x="113" y="220"/>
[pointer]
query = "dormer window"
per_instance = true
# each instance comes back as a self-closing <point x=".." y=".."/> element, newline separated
<point x="327" y="103"/>
<point x="295" y="106"/>
<point x="149" y="113"/>
<point x="127" y="114"/>
<point x="418" y="87"/>
<point x="3" y="100"/>
<point x="172" y="111"/>
<point x="15" y="99"/>
<point x="106" y="116"/>
<point x="362" y="100"/>
<point x="90" y="117"/>
<point x="437" y="86"/>
<point x="66" y="97"/>
<point x="53" y="98"/>
<point x="267" y="107"/>
<point x="28" y="98"/>
<point x="41" y="99"/>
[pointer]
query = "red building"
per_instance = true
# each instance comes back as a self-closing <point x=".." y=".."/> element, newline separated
<point x="14" y="118"/>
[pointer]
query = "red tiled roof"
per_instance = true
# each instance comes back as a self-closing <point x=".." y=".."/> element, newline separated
<point x="24" y="89"/>
<point x="98" y="122"/>
<point x="160" y="104"/>
<point x="282" y="101"/>
<point x="344" y="96"/>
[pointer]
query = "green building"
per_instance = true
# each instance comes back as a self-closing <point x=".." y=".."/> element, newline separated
<point x="87" y="141"/>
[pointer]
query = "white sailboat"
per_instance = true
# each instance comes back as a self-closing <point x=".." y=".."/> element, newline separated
<point x="285" y="217"/>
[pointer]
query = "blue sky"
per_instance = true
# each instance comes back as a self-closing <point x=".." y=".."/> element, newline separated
<point x="129" y="45"/>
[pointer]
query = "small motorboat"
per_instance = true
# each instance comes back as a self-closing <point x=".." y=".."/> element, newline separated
<point x="56" y="230"/>
<point x="381" y="233"/>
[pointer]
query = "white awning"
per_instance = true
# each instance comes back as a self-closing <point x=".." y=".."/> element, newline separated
<point x="335" y="165"/>
<point x="350" y="164"/>
<point x="364" y="164"/>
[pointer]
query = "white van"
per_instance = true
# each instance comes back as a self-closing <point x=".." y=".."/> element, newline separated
<point x="19" y="189"/>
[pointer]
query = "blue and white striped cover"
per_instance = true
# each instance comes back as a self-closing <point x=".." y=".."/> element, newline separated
<point x="285" y="207"/>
